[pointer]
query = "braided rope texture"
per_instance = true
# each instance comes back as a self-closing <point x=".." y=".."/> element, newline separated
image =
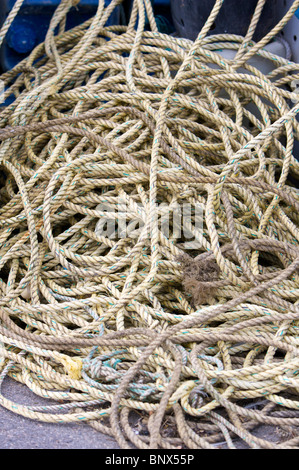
<point x="120" y="122"/>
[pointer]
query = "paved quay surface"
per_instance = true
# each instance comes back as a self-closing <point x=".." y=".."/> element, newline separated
<point x="18" y="432"/>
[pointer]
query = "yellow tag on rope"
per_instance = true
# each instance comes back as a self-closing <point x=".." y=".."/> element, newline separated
<point x="72" y="365"/>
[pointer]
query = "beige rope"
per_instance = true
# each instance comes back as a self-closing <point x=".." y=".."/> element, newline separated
<point x="111" y="131"/>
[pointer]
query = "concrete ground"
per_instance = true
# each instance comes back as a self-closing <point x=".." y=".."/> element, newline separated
<point x="18" y="432"/>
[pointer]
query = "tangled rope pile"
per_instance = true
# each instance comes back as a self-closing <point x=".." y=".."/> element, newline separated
<point x="201" y="344"/>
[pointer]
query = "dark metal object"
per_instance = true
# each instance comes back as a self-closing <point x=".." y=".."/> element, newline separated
<point x="189" y="16"/>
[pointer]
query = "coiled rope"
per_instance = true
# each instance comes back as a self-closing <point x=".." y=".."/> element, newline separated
<point x="112" y="123"/>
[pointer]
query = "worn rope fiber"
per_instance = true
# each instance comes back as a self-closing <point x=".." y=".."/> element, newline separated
<point x="142" y="337"/>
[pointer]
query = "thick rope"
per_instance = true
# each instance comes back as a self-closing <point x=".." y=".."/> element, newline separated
<point x="161" y="330"/>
